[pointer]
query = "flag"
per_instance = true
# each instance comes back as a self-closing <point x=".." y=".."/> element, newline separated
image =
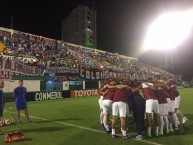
<point x="4" y="48"/>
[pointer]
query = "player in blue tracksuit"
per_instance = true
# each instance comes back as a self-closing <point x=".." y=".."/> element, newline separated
<point x="19" y="93"/>
<point x="137" y="105"/>
<point x="2" y="99"/>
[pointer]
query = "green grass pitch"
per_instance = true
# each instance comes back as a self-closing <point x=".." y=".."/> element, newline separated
<point x="75" y="121"/>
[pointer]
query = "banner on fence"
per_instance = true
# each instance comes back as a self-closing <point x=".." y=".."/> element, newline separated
<point x="81" y="93"/>
<point x="44" y="95"/>
<point x="61" y="77"/>
<point x="91" y="74"/>
<point x="9" y="68"/>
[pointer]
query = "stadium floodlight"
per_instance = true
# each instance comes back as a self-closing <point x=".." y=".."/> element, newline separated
<point x="169" y="30"/>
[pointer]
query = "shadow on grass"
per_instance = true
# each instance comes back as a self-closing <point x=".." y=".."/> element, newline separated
<point x="44" y="129"/>
<point x="184" y="129"/>
<point x="27" y="139"/>
<point x="187" y="128"/>
<point x="131" y="127"/>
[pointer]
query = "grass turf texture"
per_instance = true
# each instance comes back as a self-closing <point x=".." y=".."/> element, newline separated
<point x="75" y="121"/>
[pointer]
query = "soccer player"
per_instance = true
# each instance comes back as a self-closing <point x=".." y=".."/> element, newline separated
<point x="119" y="107"/>
<point x="107" y="104"/>
<point x="177" y="105"/>
<point x="162" y="94"/>
<point x="137" y="104"/>
<point x="152" y="105"/>
<point x="173" y="94"/>
<point x="19" y="94"/>
<point x="177" y="102"/>
<point x="2" y="100"/>
<point x="102" y="90"/>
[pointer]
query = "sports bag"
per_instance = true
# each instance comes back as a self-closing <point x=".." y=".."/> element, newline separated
<point x="14" y="136"/>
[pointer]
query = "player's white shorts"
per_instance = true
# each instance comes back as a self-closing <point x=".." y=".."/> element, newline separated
<point x="107" y="106"/>
<point x="163" y="108"/>
<point x="177" y="102"/>
<point x="101" y="102"/>
<point x="119" y="108"/>
<point x="168" y="100"/>
<point x="171" y="106"/>
<point x="152" y="106"/>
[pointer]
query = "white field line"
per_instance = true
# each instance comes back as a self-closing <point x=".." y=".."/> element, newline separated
<point x="61" y="101"/>
<point x="81" y="127"/>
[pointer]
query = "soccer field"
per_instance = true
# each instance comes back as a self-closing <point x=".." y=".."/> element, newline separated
<point x="75" y="121"/>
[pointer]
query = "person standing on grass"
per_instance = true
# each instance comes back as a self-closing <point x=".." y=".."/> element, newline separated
<point x="103" y="89"/>
<point x="119" y="108"/>
<point x="152" y="105"/>
<point x="137" y="105"/>
<point x="172" y="114"/>
<point x="177" y="104"/>
<point x="2" y="100"/>
<point x="162" y="94"/>
<point x="19" y="94"/>
<point x="107" y="104"/>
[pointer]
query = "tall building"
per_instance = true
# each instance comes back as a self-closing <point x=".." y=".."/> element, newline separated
<point x="80" y="27"/>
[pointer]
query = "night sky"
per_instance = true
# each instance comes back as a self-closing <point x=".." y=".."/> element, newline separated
<point x="121" y="25"/>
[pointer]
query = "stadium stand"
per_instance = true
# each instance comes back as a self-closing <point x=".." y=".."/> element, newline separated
<point x="49" y="55"/>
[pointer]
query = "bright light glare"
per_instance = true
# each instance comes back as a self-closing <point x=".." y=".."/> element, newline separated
<point x="169" y="30"/>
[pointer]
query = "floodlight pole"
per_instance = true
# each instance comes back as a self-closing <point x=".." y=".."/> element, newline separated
<point x="165" y="65"/>
<point x="11" y="25"/>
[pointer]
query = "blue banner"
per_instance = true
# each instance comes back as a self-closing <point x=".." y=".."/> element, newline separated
<point x="61" y="77"/>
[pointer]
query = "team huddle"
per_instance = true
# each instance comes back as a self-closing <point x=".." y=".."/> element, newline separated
<point x="159" y="104"/>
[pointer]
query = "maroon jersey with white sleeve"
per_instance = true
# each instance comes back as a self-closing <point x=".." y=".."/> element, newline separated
<point x="122" y="94"/>
<point x="161" y="96"/>
<point x="148" y="92"/>
<point x="173" y="92"/>
<point x="103" y="85"/>
<point x="110" y="94"/>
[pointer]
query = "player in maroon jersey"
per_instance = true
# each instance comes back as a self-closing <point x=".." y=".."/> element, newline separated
<point x="173" y="94"/>
<point x="107" y="104"/>
<point x="162" y="94"/>
<point x="152" y="105"/>
<point x="119" y="107"/>
<point x="102" y="90"/>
